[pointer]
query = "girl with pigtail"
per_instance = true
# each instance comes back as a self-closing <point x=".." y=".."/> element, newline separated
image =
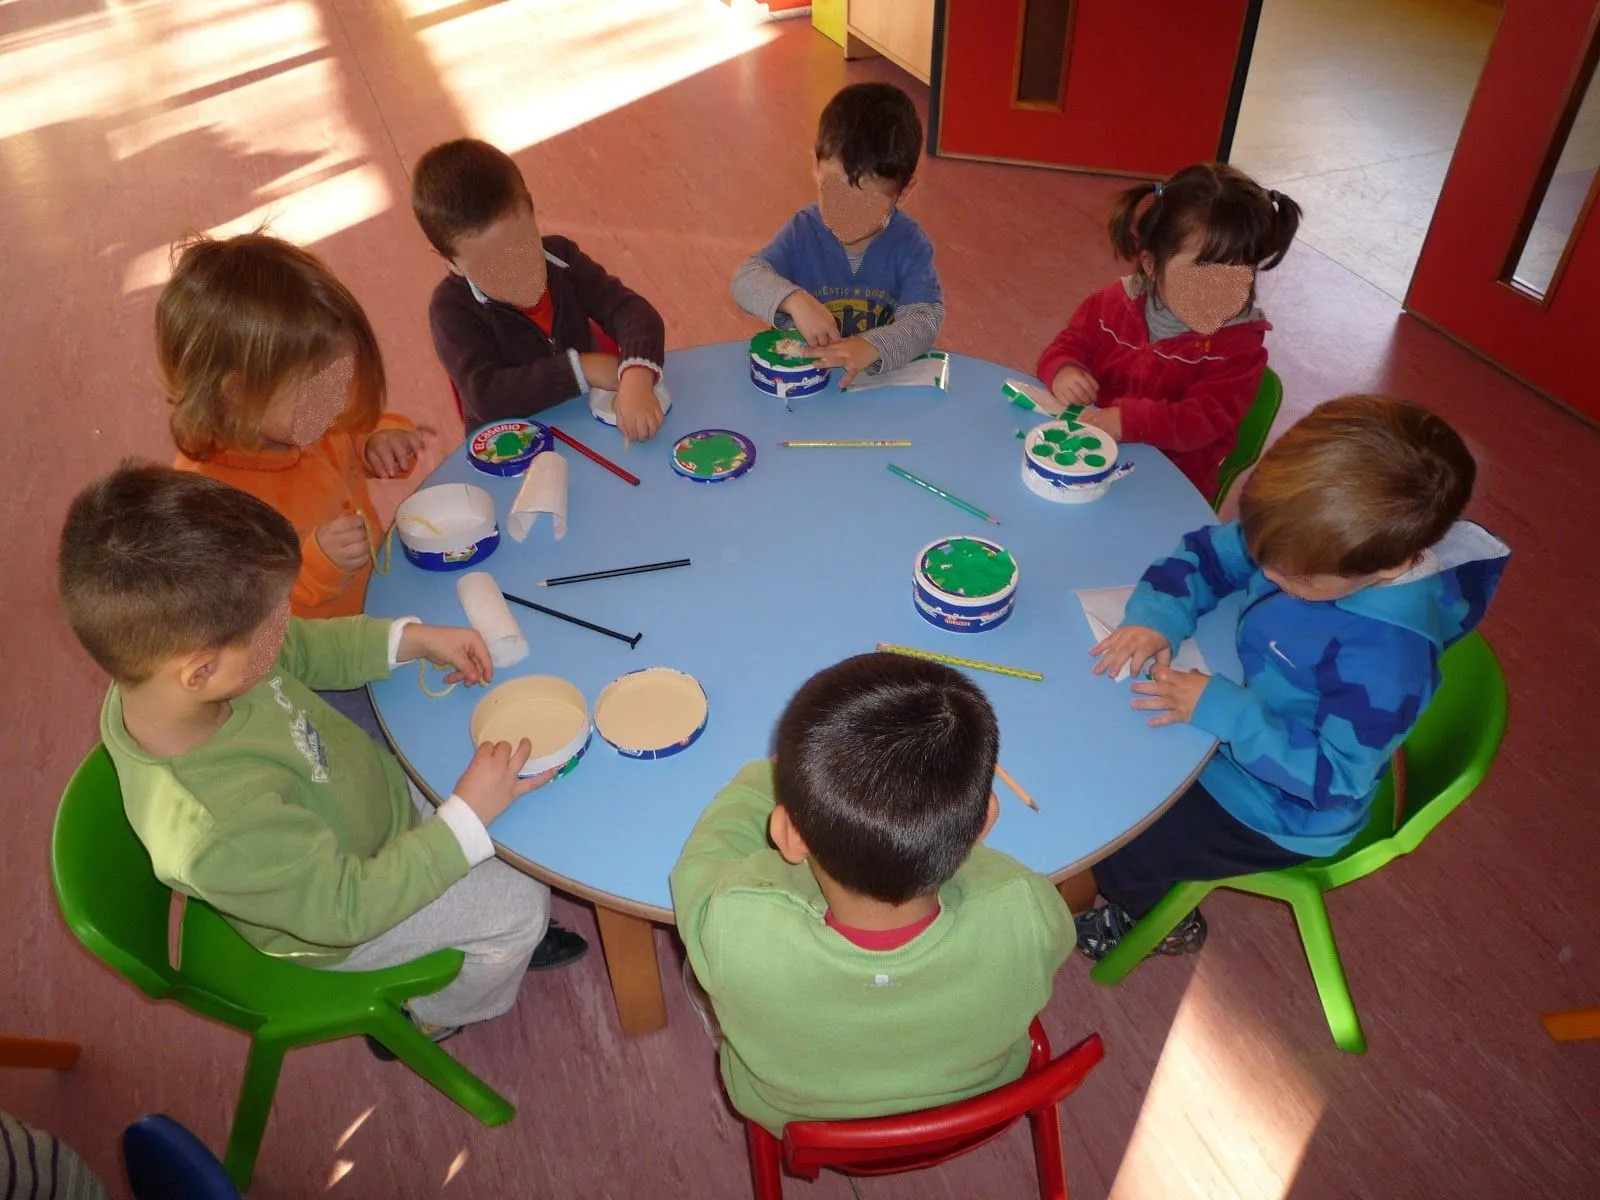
<point x="1172" y="355"/>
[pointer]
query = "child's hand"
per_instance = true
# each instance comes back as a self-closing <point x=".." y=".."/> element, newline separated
<point x="491" y="782"/>
<point x="391" y="453"/>
<point x="1173" y="693"/>
<point x="1132" y="646"/>
<point x="448" y="646"/>
<point x="600" y="370"/>
<point x="811" y="318"/>
<point x="344" y="541"/>
<point x="854" y="354"/>
<point x="638" y="410"/>
<point x="1074" y="385"/>
<point x="1108" y="419"/>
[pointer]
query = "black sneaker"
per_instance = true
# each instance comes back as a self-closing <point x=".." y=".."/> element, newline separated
<point x="559" y="948"/>
<point x="1100" y="929"/>
<point x="438" y="1033"/>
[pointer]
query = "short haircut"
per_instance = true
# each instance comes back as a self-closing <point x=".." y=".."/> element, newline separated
<point x="461" y="188"/>
<point x="1242" y="223"/>
<point x="1359" y="485"/>
<point x="885" y="765"/>
<point x="155" y="563"/>
<point x="241" y="318"/>
<point x="872" y="129"/>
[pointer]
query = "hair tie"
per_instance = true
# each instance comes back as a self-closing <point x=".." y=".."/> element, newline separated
<point x="1158" y="187"/>
<point x="1272" y="194"/>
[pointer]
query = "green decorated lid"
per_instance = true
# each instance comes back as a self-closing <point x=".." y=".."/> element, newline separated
<point x="969" y="567"/>
<point x="782" y="348"/>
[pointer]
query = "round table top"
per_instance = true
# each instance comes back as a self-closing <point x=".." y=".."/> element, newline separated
<point x="805" y="560"/>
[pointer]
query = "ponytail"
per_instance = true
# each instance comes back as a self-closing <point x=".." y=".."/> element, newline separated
<point x="1124" y="222"/>
<point x="1285" y="223"/>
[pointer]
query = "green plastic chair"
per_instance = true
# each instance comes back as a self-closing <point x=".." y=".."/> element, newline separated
<point x="1445" y="757"/>
<point x="119" y="909"/>
<point x="1253" y="431"/>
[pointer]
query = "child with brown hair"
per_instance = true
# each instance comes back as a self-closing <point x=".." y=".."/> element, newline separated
<point x="277" y="388"/>
<point x="1173" y="354"/>
<point x="1357" y="573"/>
<point x="524" y="321"/>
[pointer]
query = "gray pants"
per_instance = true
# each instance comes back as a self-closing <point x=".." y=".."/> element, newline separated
<point x="496" y="915"/>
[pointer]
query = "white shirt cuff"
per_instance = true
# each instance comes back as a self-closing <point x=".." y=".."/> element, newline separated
<point x="638" y="362"/>
<point x="396" y="630"/>
<point x="469" y="831"/>
<point x="577" y="372"/>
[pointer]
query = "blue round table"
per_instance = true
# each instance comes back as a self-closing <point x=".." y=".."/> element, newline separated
<point x="803" y="561"/>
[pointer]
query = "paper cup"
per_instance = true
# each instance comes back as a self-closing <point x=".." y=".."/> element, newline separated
<point x="447" y="527"/>
<point x="507" y="447"/>
<point x="653" y="713"/>
<point x="1068" y="462"/>
<point x="551" y="713"/>
<point x="961" y="584"/>
<point x="780" y="365"/>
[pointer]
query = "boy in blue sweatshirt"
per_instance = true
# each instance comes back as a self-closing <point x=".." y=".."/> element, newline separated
<point x="1357" y="573"/>
<point x="852" y="274"/>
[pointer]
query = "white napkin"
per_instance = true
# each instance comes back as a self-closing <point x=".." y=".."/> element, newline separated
<point x="1104" y="608"/>
<point x="488" y="613"/>
<point x="543" y="490"/>
<point x="926" y="370"/>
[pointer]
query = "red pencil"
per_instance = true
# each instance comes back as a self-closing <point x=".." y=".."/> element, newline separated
<point x="591" y="455"/>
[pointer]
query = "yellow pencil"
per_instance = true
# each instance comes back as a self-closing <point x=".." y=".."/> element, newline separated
<point x="1012" y="784"/>
<point x="950" y="660"/>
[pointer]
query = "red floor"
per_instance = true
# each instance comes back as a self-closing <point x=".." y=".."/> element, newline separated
<point x="120" y="129"/>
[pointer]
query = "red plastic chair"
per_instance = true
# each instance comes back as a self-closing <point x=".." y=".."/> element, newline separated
<point x="908" y="1141"/>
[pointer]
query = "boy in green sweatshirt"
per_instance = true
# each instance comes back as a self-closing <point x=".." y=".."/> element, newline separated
<point x="871" y="958"/>
<point x="248" y="791"/>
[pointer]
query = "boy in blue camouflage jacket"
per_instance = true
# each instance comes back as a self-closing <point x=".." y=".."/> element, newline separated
<point x="1357" y="574"/>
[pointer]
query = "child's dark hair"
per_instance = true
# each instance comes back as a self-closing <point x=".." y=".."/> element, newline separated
<point x="155" y="562"/>
<point x="241" y="317"/>
<point x="1242" y="223"/>
<point x="872" y="129"/>
<point x="886" y="764"/>
<point x="460" y="188"/>
<point x="1358" y="485"/>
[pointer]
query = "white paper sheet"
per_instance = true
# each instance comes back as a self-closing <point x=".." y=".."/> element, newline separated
<point x="926" y="370"/>
<point x="1104" y="608"/>
<point x="488" y="613"/>
<point x="543" y="490"/>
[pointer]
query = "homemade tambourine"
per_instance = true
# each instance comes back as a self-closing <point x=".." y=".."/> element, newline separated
<point x="964" y="584"/>
<point x="603" y="404"/>
<point x="713" y="455"/>
<point x="1070" y="462"/>
<point x="447" y="527"/>
<point x="551" y="713"/>
<point x="781" y="365"/>
<point x="653" y="713"/>
<point x="507" y="447"/>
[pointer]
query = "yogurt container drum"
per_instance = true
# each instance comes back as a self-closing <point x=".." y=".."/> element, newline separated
<point x="507" y="447"/>
<point x="1069" y="462"/>
<point x="653" y="713"/>
<point x="550" y="712"/>
<point x="781" y="366"/>
<point x="447" y="527"/>
<point x="964" y="584"/>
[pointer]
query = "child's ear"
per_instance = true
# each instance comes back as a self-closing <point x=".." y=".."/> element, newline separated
<point x="992" y="816"/>
<point x="816" y="169"/>
<point x="1147" y="264"/>
<point x="911" y="186"/>
<point x="786" y="837"/>
<point x="197" y="670"/>
<point x="454" y="270"/>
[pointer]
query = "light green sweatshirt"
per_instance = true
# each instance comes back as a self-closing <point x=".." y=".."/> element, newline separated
<point x="289" y="820"/>
<point x="818" y="1028"/>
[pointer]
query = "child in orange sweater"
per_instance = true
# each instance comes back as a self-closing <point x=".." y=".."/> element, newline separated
<point x="277" y="388"/>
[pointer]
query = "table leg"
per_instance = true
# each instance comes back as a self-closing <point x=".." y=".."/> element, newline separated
<point x="630" y="949"/>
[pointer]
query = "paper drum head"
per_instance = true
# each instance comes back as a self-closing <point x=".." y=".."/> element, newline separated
<point x="551" y="713"/>
<point x="651" y="713"/>
<point x="603" y="404"/>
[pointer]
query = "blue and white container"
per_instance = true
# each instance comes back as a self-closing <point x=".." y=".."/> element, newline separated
<point x="603" y="403"/>
<point x="447" y="527"/>
<point x="943" y="603"/>
<point x="781" y="367"/>
<point x="550" y="712"/>
<point x="653" y="713"/>
<point x="1069" y="462"/>
<point x="507" y="447"/>
<point x="713" y="455"/>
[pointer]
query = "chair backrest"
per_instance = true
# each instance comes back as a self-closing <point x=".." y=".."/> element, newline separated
<point x="908" y="1141"/>
<point x="104" y="882"/>
<point x="1447" y="754"/>
<point x="167" y="1162"/>
<point x="1253" y="431"/>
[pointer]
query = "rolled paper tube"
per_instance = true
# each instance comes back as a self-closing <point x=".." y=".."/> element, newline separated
<point x="543" y="490"/>
<point x="488" y="613"/>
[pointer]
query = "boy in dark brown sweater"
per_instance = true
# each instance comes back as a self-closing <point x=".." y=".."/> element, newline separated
<point x="523" y="322"/>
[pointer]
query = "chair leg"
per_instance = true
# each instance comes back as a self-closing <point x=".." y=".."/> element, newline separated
<point x="1045" y="1124"/>
<point x="42" y="1053"/>
<point x="1316" y="934"/>
<point x="255" y="1106"/>
<point x="766" y="1156"/>
<point x="1575" y="1025"/>
<point x="1143" y="937"/>
<point x="438" y="1067"/>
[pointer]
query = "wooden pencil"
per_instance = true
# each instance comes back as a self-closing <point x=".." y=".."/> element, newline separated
<point x="1013" y="785"/>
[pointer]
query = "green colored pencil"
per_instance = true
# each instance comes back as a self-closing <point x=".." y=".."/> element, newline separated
<point x="943" y="495"/>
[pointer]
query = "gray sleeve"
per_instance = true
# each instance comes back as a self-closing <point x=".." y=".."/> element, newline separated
<point x="758" y="289"/>
<point x="910" y="333"/>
